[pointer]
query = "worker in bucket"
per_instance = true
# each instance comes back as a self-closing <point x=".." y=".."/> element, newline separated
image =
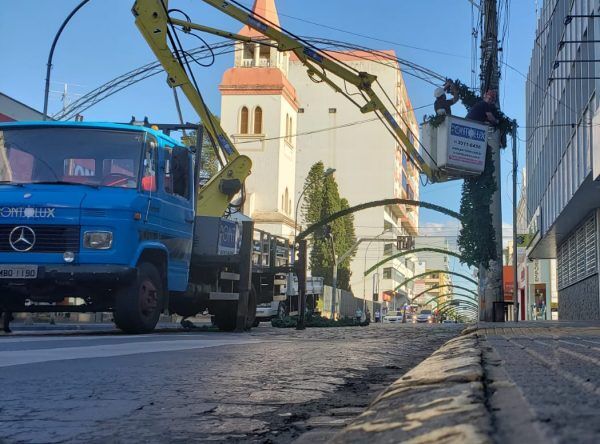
<point x="442" y="104"/>
<point x="485" y="110"/>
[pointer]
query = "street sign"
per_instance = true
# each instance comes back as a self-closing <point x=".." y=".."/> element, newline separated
<point x="404" y="243"/>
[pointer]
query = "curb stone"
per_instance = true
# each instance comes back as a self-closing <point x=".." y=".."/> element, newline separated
<point x="441" y="400"/>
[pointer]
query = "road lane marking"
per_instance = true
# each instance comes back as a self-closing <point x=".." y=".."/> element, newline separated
<point x="21" y="357"/>
<point x="89" y="337"/>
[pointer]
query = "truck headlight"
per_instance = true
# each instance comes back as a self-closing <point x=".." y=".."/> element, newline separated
<point x="97" y="240"/>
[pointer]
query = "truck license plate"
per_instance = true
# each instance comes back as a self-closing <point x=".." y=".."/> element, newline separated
<point x="18" y="271"/>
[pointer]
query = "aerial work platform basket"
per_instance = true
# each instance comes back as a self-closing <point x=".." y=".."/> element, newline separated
<point x="457" y="146"/>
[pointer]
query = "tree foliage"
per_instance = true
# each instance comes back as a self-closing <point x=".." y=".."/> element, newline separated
<point x="209" y="163"/>
<point x="477" y="237"/>
<point x="322" y="199"/>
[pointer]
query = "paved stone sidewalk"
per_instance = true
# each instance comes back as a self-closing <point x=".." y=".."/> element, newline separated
<point x="556" y="367"/>
<point x="531" y="382"/>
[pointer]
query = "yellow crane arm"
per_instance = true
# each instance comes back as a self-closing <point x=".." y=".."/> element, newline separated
<point x="319" y="64"/>
<point x="213" y="198"/>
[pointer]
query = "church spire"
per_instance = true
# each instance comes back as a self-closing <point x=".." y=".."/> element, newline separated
<point x="264" y="9"/>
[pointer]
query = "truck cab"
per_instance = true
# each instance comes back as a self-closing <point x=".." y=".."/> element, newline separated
<point x="94" y="213"/>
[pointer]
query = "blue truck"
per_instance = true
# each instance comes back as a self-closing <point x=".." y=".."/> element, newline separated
<point x="100" y="217"/>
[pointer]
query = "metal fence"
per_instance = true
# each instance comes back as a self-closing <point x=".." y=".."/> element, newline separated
<point x="347" y="304"/>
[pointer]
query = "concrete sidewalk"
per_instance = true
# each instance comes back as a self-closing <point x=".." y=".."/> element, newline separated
<point x="533" y="382"/>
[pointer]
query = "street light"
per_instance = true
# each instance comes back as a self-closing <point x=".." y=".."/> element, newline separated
<point x="51" y="54"/>
<point x="385" y="230"/>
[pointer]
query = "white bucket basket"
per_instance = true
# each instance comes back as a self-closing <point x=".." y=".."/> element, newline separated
<point x="457" y="146"/>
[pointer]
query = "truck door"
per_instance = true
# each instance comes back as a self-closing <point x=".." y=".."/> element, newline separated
<point x="177" y="212"/>
<point x="151" y="213"/>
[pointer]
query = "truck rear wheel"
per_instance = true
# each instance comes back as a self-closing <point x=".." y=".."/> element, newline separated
<point x="251" y="318"/>
<point x="138" y="306"/>
<point x="225" y="316"/>
<point x="226" y="313"/>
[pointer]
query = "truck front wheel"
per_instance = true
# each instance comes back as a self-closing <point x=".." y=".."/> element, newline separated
<point x="138" y="306"/>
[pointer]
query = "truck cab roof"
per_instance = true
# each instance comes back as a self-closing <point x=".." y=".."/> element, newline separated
<point x="92" y="125"/>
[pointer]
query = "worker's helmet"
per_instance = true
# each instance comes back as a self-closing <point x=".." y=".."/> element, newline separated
<point x="439" y="92"/>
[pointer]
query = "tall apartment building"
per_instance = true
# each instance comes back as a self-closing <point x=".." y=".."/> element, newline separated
<point x="369" y="164"/>
<point x="285" y="122"/>
<point x="563" y="163"/>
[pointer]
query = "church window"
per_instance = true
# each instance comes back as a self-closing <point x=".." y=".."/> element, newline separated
<point x="288" y="129"/>
<point x="249" y="52"/>
<point x="244" y="121"/>
<point x="258" y="118"/>
<point x="287" y="201"/>
<point x="287" y="126"/>
<point x="265" y="55"/>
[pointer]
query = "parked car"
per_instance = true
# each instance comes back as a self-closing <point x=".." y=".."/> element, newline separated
<point x="393" y="317"/>
<point x="448" y="321"/>
<point x="426" y="316"/>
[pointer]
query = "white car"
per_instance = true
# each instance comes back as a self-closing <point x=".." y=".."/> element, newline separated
<point x="265" y="312"/>
<point x="394" y="317"/>
<point x="425" y="316"/>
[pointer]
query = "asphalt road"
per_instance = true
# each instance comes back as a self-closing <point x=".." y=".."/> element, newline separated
<point x="268" y="386"/>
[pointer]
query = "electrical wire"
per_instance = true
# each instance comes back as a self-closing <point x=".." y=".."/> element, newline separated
<point x="428" y="50"/>
<point x="285" y="31"/>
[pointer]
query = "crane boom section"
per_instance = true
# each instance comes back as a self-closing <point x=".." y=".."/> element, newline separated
<point x="318" y="64"/>
<point x="213" y="198"/>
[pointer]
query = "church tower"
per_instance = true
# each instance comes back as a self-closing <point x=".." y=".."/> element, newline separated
<point x="259" y="110"/>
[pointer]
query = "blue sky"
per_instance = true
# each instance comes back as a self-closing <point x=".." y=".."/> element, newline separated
<point x="102" y="42"/>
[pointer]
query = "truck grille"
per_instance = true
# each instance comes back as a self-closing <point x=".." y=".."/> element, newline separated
<point x="48" y="238"/>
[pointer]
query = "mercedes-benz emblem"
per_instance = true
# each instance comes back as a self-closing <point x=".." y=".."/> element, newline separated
<point x="22" y="238"/>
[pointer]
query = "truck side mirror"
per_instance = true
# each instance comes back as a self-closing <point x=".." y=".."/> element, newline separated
<point x="149" y="183"/>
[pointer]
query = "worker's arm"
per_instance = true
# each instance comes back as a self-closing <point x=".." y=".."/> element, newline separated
<point x="491" y="118"/>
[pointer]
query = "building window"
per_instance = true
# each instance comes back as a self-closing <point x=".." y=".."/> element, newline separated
<point x="265" y="56"/>
<point x="576" y="256"/>
<point x="287" y="201"/>
<point x="244" y="116"/>
<point x="287" y="126"/>
<point x="248" y="54"/>
<point x="258" y="118"/>
<point x="288" y="129"/>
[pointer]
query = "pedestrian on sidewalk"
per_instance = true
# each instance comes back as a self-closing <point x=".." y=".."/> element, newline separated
<point x="377" y="316"/>
<point x="358" y="314"/>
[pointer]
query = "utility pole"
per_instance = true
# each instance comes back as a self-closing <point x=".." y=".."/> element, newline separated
<point x="491" y="284"/>
<point x="514" y="233"/>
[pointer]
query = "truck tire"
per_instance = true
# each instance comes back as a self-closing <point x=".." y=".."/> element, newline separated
<point x="138" y="306"/>
<point x="225" y="316"/>
<point x="226" y="313"/>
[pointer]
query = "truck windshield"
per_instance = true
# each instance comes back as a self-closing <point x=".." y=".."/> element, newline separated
<point x="87" y="156"/>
